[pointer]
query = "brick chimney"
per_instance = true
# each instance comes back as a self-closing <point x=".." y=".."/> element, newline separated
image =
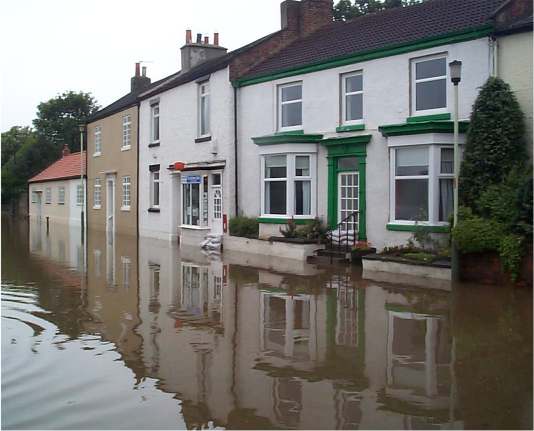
<point x="314" y="14"/>
<point x="139" y="82"/>
<point x="66" y="150"/>
<point x="290" y="15"/>
<point x="194" y="53"/>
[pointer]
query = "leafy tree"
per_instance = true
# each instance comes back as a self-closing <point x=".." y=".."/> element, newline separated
<point x="13" y="140"/>
<point x="495" y="141"/>
<point x="58" y="118"/>
<point x="345" y="10"/>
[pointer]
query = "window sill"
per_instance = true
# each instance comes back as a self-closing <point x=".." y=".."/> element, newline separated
<point x="61" y="203"/>
<point x="153" y="210"/>
<point x="97" y="154"/>
<point x="434" y="117"/>
<point x="97" y="207"/>
<point x="126" y="148"/>
<point x="125" y="208"/>
<point x="350" y="128"/>
<point x="153" y="144"/>
<point x="202" y="139"/>
<point x="297" y="130"/>
<point x="409" y="227"/>
<point x="284" y="220"/>
<point x="192" y="227"/>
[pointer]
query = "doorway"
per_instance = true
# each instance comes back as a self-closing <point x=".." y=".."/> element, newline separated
<point x="348" y="199"/>
<point x="216" y="198"/>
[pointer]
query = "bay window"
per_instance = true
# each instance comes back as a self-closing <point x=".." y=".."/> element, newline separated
<point x="290" y="106"/>
<point x="429" y="85"/>
<point x="352" y="98"/>
<point x="288" y="185"/>
<point x="421" y="183"/>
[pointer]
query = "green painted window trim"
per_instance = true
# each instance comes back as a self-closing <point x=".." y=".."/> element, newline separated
<point x="271" y="220"/>
<point x="353" y="128"/>
<point x="422" y="127"/>
<point x="290" y="133"/>
<point x="286" y="138"/>
<point x="401" y="48"/>
<point x="434" y="117"/>
<point x="355" y="146"/>
<point x="413" y="227"/>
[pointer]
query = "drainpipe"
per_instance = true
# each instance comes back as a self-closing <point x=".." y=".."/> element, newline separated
<point x="137" y="181"/>
<point x="236" y="179"/>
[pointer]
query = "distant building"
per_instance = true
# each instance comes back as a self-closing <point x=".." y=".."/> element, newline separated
<point x="58" y="192"/>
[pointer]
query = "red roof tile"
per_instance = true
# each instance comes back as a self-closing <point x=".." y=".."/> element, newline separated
<point x="64" y="168"/>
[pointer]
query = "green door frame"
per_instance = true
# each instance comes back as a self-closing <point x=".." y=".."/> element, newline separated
<point x="352" y="146"/>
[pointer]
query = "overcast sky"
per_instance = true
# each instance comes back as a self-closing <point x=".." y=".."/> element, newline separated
<point x="52" y="46"/>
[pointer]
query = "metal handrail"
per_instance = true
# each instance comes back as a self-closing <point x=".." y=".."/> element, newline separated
<point x="350" y="218"/>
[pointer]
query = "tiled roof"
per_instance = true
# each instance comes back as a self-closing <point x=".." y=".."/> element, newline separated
<point x="392" y="27"/>
<point x="64" y="168"/>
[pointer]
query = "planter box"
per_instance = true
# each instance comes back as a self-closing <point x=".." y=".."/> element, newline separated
<point x="270" y="248"/>
<point x="486" y="268"/>
<point x="397" y="265"/>
<point x="292" y="240"/>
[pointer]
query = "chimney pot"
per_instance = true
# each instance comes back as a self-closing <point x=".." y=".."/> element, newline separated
<point x="143" y="71"/>
<point x="216" y="39"/>
<point x="206" y="40"/>
<point x="188" y="36"/>
<point x="199" y="37"/>
<point x="137" y="66"/>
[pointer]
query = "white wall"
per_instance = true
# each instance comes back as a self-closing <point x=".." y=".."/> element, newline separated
<point x="178" y="130"/>
<point x="386" y="101"/>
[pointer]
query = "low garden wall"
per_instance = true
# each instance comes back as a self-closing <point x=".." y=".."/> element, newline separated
<point x="284" y="250"/>
<point x="441" y="271"/>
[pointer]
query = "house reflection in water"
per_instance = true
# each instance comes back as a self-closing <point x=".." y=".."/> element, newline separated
<point x="244" y="347"/>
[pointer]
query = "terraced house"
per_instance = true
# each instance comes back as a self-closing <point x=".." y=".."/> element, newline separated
<point x="353" y="123"/>
<point x="112" y="161"/>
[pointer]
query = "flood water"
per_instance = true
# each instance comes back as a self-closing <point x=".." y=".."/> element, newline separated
<point x="130" y="334"/>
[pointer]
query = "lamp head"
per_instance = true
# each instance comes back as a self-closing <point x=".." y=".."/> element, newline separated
<point x="455" y="68"/>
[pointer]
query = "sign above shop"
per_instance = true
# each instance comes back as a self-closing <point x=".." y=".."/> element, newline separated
<point x="191" y="179"/>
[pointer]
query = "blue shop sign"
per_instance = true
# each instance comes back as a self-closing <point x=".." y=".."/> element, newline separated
<point x="191" y="179"/>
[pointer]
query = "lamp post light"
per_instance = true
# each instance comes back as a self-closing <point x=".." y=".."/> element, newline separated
<point x="82" y="220"/>
<point x="455" y="68"/>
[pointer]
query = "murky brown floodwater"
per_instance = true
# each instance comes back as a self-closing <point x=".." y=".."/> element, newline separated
<point x="157" y="337"/>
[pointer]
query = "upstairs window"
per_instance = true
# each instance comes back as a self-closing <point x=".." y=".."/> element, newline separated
<point x="126" y="196"/>
<point x="97" y="194"/>
<point x="429" y="85"/>
<point x="61" y="195"/>
<point x="98" y="140"/>
<point x="154" y="128"/>
<point x="290" y="106"/>
<point x="48" y="195"/>
<point x="126" y="132"/>
<point x="79" y="195"/>
<point x="204" y="109"/>
<point x="352" y="98"/>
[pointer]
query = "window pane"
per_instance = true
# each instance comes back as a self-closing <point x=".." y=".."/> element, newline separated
<point x="411" y="161"/>
<point x="275" y="197"/>
<point x="445" y="198"/>
<point x="302" y="166"/>
<point x="216" y="179"/>
<point x="275" y="167"/>
<point x="156" y="193"/>
<point x="292" y="114"/>
<point x="204" y="115"/>
<point x="411" y="200"/>
<point x="302" y="197"/>
<point x="292" y="93"/>
<point x="156" y="128"/>
<point x="354" y="107"/>
<point x="347" y="164"/>
<point x="430" y="95"/>
<point x="195" y="204"/>
<point x="447" y="161"/>
<point x="186" y="210"/>
<point x="353" y="83"/>
<point x="431" y="68"/>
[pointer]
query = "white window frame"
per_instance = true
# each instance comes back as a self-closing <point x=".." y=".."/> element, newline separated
<point x="97" y="194"/>
<point x="79" y="195"/>
<point x="154" y="113"/>
<point x="290" y="180"/>
<point x="153" y="182"/>
<point x="34" y="197"/>
<point x="434" y="174"/>
<point x="344" y="95"/>
<point x="126" y="193"/>
<point x="48" y="195"/>
<point x="126" y="132"/>
<point x="280" y="104"/>
<point x="204" y="86"/>
<point x="98" y="141"/>
<point x="415" y="81"/>
<point x="201" y="191"/>
<point x="61" y="195"/>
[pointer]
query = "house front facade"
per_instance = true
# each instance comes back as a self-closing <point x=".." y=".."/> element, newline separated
<point x="112" y="162"/>
<point x="361" y="133"/>
<point x="57" y="193"/>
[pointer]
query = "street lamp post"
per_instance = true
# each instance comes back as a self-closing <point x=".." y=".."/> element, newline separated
<point x="82" y="220"/>
<point x="455" y="69"/>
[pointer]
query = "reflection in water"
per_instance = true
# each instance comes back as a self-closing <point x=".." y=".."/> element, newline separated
<point x="208" y="342"/>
